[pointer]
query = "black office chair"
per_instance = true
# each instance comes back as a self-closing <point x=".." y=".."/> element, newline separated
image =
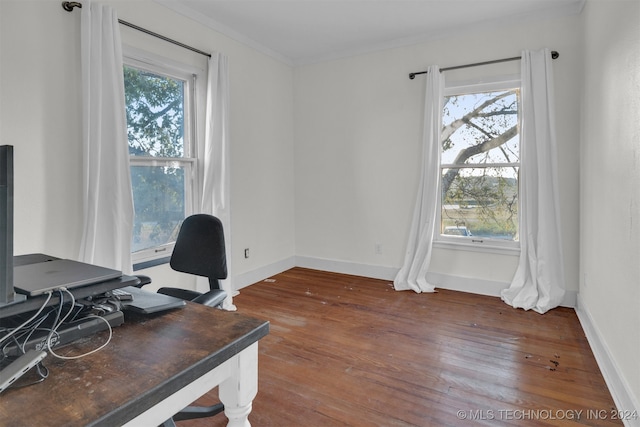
<point x="199" y="250"/>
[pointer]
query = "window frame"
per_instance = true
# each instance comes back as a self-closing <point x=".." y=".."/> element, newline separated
<point x="193" y="94"/>
<point x="473" y="243"/>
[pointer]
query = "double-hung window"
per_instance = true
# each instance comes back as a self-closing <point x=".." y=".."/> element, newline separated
<point x="160" y="111"/>
<point x="480" y="164"/>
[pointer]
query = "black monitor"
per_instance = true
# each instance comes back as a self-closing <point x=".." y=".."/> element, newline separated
<point x="7" y="294"/>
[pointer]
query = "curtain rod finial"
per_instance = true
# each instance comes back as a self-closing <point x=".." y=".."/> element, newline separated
<point x="70" y="5"/>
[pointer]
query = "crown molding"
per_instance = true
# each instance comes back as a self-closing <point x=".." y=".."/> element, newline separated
<point x="223" y="29"/>
<point x="568" y="9"/>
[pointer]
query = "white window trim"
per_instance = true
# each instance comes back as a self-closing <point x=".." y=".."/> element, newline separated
<point x="467" y="244"/>
<point x="194" y="110"/>
<point x="473" y="243"/>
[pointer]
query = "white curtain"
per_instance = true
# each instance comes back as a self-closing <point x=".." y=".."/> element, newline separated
<point x="216" y="156"/>
<point x="413" y="273"/>
<point x="107" y="197"/>
<point x="538" y="283"/>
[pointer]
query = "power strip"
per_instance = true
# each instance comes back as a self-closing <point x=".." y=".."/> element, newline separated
<point x="67" y="333"/>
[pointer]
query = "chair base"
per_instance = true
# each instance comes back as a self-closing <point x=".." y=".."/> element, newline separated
<point x="194" y="412"/>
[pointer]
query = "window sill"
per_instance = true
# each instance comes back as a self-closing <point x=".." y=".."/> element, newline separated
<point x="485" y="247"/>
<point x="151" y="263"/>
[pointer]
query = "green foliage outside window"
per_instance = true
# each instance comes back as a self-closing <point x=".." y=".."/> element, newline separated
<point x="155" y="128"/>
<point x="155" y="114"/>
<point x="480" y="163"/>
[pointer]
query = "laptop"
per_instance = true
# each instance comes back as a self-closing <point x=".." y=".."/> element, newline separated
<point x="39" y="278"/>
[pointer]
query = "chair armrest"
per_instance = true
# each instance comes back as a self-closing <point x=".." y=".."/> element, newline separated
<point x="144" y="280"/>
<point x="184" y="294"/>
<point x="212" y="298"/>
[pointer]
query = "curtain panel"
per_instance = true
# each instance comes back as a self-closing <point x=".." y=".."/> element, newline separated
<point x="413" y="274"/>
<point x="106" y="194"/>
<point x="215" y="155"/>
<point x="539" y="282"/>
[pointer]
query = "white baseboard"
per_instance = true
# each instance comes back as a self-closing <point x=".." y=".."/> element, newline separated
<point x="484" y="287"/>
<point x="618" y="386"/>
<point x="491" y="288"/>
<point x="344" y="267"/>
<point x="443" y="281"/>
<point x="243" y="280"/>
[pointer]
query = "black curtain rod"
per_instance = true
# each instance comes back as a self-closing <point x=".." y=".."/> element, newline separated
<point x="70" y="5"/>
<point x="412" y="76"/>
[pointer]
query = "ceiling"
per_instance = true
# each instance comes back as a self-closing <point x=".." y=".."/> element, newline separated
<point x="308" y="31"/>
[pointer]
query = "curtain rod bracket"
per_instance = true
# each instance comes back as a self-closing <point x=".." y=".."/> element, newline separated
<point x="70" y="5"/>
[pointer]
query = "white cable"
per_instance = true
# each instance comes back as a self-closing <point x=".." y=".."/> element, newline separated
<point x="34" y="328"/>
<point x="3" y="339"/>
<point x="55" y="328"/>
<point x="53" y="353"/>
<point x="73" y="304"/>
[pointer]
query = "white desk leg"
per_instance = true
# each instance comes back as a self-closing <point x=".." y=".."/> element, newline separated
<point x="238" y="390"/>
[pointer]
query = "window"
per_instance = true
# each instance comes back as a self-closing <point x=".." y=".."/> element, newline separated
<point x="160" y="126"/>
<point x="480" y="163"/>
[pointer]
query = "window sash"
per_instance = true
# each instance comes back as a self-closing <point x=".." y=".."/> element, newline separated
<point x="479" y="165"/>
<point x="475" y="242"/>
<point x="188" y="163"/>
<point x="146" y="253"/>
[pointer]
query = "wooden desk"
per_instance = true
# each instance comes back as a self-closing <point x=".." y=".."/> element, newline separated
<point x="153" y="367"/>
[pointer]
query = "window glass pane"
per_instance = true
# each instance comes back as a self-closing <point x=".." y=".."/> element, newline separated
<point x="480" y="202"/>
<point x="159" y="195"/>
<point x="481" y="128"/>
<point x="155" y="113"/>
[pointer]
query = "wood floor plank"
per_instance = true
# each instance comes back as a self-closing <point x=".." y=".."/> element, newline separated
<point x="351" y="351"/>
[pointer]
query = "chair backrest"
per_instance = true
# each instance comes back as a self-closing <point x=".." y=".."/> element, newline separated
<point x="200" y="248"/>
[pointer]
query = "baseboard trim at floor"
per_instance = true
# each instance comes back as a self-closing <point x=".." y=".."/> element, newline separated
<point x="343" y="267"/>
<point x="249" y="278"/>
<point x="443" y="281"/>
<point x="619" y="388"/>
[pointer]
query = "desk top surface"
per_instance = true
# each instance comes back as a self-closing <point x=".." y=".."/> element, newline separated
<point x="148" y="359"/>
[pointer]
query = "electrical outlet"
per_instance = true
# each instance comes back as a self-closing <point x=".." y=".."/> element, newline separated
<point x="378" y="248"/>
<point x="246" y="253"/>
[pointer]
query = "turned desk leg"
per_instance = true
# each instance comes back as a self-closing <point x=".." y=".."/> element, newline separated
<point x="238" y="391"/>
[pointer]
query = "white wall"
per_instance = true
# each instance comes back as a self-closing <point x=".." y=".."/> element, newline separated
<point x="610" y="187"/>
<point x="40" y="116"/>
<point x="39" y="105"/>
<point x="358" y="126"/>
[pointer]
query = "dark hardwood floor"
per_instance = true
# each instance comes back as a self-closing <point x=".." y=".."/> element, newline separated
<point x="350" y="351"/>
